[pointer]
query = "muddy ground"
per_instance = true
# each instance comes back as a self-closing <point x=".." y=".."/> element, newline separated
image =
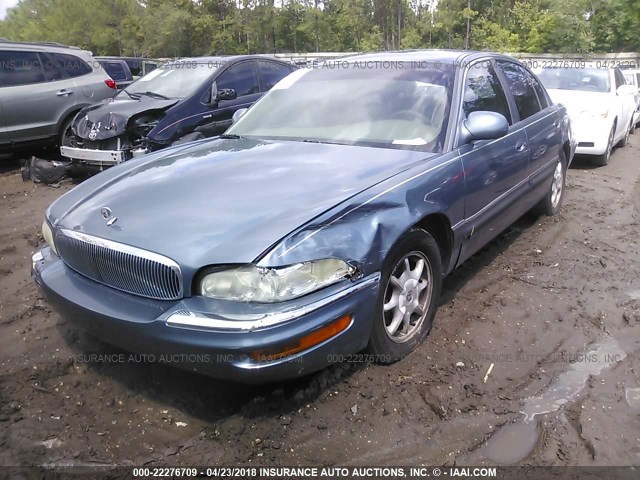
<point x="553" y="304"/>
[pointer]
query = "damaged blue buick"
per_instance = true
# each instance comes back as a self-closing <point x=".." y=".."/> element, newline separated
<point x="319" y="225"/>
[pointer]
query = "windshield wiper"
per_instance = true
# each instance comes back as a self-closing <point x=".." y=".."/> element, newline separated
<point x="155" y="95"/>
<point x="133" y="96"/>
<point x="317" y="140"/>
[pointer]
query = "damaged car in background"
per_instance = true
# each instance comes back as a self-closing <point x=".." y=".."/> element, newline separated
<point x="181" y="101"/>
<point x="309" y="231"/>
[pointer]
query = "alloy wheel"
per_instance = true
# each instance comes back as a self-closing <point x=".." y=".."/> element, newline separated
<point x="408" y="296"/>
<point x="558" y="185"/>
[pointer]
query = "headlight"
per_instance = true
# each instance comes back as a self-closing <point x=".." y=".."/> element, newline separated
<point x="47" y="233"/>
<point x="268" y="285"/>
<point x="602" y="112"/>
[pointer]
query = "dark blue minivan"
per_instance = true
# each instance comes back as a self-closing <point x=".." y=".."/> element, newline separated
<point x="181" y="101"/>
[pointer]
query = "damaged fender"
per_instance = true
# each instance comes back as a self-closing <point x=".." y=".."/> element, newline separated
<point x="364" y="228"/>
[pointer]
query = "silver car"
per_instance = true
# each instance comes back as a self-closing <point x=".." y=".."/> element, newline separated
<point x="42" y="87"/>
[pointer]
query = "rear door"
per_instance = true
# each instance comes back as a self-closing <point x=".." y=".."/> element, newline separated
<point x="496" y="171"/>
<point x="35" y="93"/>
<point x="538" y="118"/>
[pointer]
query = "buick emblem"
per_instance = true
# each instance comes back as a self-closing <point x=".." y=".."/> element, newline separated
<point x="107" y="214"/>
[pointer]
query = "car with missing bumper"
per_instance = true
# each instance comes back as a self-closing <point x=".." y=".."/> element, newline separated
<point x="182" y="101"/>
<point x="320" y="224"/>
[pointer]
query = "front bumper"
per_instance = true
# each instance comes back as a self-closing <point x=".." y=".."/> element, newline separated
<point x="591" y="134"/>
<point x="94" y="157"/>
<point x="192" y="335"/>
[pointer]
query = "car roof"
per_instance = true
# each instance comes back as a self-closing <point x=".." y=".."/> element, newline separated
<point x="39" y="46"/>
<point x="226" y="58"/>
<point x="444" y="56"/>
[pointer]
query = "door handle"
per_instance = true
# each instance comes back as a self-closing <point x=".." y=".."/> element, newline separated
<point x="521" y="146"/>
<point x="208" y="115"/>
<point x="64" y="92"/>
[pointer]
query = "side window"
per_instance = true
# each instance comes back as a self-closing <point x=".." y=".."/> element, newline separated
<point x="521" y="87"/>
<point x="482" y="91"/>
<point x="53" y="71"/>
<point x="272" y="73"/>
<point x="20" y="68"/>
<point x="542" y="97"/>
<point x="241" y="77"/>
<point x="74" y="66"/>
<point x="115" y="70"/>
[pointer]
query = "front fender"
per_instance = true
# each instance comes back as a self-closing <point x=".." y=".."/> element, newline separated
<point x="363" y="230"/>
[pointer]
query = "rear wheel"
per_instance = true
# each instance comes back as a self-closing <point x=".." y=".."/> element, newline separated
<point x="550" y="204"/>
<point x="66" y="137"/>
<point x="408" y="297"/>
<point x="602" y="160"/>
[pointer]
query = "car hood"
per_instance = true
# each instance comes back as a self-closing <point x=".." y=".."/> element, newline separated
<point x="579" y="101"/>
<point x="223" y="201"/>
<point x="110" y="117"/>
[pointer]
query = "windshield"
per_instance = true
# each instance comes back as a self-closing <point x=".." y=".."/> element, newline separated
<point x="583" y="79"/>
<point x="173" y="80"/>
<point x="394" y="107"/>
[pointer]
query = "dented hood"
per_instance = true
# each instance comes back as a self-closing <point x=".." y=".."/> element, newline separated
<point x="223" y="201"/>
<point x="109" y="118"/>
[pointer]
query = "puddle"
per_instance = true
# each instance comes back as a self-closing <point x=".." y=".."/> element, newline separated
<point x="516" y="441"/>
<point x="632" y="396"/>
<point x="634" y="294"/>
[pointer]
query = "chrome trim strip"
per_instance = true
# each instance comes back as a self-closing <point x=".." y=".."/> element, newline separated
<point x="213" y="321"/>
<point x="124" y="248"/>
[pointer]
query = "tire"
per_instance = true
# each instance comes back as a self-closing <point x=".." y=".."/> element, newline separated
<point x="416" y="298"/>
<point x="602" y="160"/>
<point x="625" y="139"/>
<point x="632" y="129"/>
<point x="66" y="138"/>
<point x="189" y="137"/>
<point x="552" y="201"/>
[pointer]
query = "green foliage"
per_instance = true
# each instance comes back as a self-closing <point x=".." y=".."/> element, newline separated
<point x="177" y="28"/>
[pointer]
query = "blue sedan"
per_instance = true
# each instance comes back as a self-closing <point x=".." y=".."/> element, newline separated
<point x="319" y="225"/>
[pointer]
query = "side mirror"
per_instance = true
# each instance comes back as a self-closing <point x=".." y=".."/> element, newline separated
<point x="484" y="125"/>
<point x="626" y="90"/>
<point x="226" y="94"/>
<point x="237" y="114"/>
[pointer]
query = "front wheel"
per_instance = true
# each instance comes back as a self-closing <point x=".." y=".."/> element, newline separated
<point x="602" y="160"/>
<point x="550" y="204"/>
<point x="408" y="297"/>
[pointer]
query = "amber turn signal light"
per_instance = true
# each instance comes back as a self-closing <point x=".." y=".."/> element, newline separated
<point x="303" y="343"/>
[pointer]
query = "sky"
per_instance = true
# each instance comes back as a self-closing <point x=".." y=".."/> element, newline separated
<point x="4" y="4"/>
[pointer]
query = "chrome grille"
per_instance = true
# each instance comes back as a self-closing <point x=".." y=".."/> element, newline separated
<point x="120" y="266"/>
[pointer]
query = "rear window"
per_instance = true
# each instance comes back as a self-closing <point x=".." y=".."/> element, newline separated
<point x="20" y="68"/>
<point x="115" y="70"/>
<point x="74" y="66"/>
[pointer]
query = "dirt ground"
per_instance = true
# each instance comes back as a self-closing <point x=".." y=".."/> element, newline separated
<point x="553" y="304"/>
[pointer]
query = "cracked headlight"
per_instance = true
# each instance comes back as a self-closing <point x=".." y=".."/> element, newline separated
<point x="47" y="233"/>
<point x="269" y="285"/>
